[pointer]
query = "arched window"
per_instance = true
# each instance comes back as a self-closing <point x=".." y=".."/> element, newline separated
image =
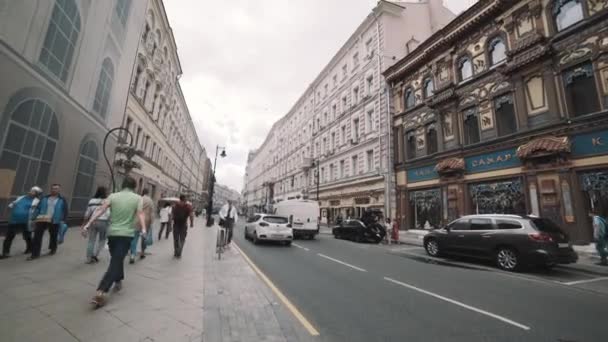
<point x="431" y="139"/>
<point x="498" y="51"/>
<point x="410" y="100"/>
<point x="104" y="88"/>
<point x="61" y="37"/>
<point x="410" y="143"/>
<point x="567" y="13"/>
<point x="87" y="166"/>
<point x="122" y="10"/>
<point x="506" y="122"/>
<point x="465" y="68"/>
<point x="471" y="127"/>
<point x="429" y="88"/>
<point x="29" y="145"/>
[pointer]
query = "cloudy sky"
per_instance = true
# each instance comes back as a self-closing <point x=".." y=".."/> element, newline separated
<point x="246" y="62"/>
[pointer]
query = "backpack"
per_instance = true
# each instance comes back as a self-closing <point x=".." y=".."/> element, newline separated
<point x="181" y="212"/>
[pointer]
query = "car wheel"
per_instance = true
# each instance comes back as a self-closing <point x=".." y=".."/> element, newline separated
<point x="507" y="259"/>
<point x="288" y="243"/>
<point x="255" y="238"/>
<point x="432" y="247"/>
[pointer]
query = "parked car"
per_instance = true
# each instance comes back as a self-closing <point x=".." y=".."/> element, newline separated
<point x="511" y="241"/>
<point x="302" y="214"/>
<point x="356" y="230"/>
<point x="266" y="227"/>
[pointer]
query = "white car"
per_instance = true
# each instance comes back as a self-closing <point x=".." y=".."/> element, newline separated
<point x="266" y="227"/>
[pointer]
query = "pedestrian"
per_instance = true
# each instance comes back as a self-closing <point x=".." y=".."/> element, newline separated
<point x="125" y="206"/>
<point x="148" y="208"/>
<point x="181" y="212"/>
<point x="51" y="213"/>
<point x="20" y="220"/>
<point x="600" y="234"/>
<point x="165" y="221"/>
<point x="99" y="227"/>
<point x="228" y="217"/>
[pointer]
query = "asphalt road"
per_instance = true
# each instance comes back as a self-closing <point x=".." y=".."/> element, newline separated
<point x="364" y="292"/>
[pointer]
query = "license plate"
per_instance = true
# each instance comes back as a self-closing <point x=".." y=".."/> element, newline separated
<point x="276" y="235"/>
<point x="563" y="245"/>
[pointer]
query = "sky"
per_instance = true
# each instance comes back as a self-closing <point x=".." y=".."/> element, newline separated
<point x="245" y="63"/>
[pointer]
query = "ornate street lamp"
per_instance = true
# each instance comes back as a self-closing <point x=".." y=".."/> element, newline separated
<point x="128" y="150"/>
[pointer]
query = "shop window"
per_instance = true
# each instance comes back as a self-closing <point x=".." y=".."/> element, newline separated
<point x="471" y="127"/>
<point x="580" y="89"/>
<point x="431" y="139"/>
<point x="465" y="69"/>
<point x="429" y="88"/>
<point x="567" y="13"/>
<point x="505" y="115"/>
<point x="425" y="209"/>
<point x="505" y="197"/>
<point x="410" y="144"/>
<point x="410" y="100"/>
<point x="497" y="51"/>
<point x="595" y="187"/>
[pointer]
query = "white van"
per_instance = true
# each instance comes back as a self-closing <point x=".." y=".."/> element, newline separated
<point x="302" y="214"/>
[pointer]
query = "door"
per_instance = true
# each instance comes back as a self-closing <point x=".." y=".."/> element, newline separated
<point x="478" y="239"/>
<point x="453" y="240"/>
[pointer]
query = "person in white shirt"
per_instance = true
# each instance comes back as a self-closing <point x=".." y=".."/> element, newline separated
<point x="165" y="218"/>
<point x="228" y="217"/>
<point x="99" y="228"/>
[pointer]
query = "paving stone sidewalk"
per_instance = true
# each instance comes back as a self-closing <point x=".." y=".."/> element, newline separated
<point x="48" y="299"/>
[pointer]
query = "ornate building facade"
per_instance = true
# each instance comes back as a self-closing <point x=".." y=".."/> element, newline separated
<point x="505" y="110"/>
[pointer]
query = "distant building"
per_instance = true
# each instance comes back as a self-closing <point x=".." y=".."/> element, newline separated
<point x="222" y="194"/>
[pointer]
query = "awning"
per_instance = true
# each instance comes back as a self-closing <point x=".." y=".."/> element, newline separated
<point x="544" y="146"/>
<point x="450" y="165"/>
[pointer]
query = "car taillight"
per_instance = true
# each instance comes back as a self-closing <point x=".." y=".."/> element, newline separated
<point x="541" y="237"/>
<point x="263" y="224"/>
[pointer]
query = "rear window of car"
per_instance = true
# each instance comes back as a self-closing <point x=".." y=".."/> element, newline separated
<point x="508" y="224"/>
<point x="275" y="219"/>
<point x="545" y="225"/>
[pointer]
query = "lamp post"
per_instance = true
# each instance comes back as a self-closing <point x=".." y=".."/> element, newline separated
<point x="129" y="150"/>
<point x="212" y="185"/>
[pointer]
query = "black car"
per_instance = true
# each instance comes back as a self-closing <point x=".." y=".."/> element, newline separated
<point x="356" y="230"/>
<point x="511" y="241"/>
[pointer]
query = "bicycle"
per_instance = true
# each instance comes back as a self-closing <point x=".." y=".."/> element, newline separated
<point x="222" y="241"/>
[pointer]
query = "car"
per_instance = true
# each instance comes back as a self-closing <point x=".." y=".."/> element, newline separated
<point x="356" y="230"/>
<point x="303" y="216"/>
<point x="511" y="241"/>
<point x="267" y="227"/>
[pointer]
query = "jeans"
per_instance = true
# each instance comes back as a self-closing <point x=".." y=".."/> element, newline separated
<point x="164" y="225"/>
<point x="10" y="235"/>
<point x="601" y="246"/>
<point x="134" y="243"/>
<point x="99" y="229"/>
<point x="41" y="227"/>
<point x="119" y="247"/>
<point x="179" y="238"/>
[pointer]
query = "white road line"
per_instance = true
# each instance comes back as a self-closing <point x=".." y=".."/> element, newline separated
<point x="301" y="247"/>
<point x="585" y="281"/>
<point x="341" y="262"/>
<point x="472" y="308"/>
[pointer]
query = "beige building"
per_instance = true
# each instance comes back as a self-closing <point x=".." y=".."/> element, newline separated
<point x="336" y="136"/>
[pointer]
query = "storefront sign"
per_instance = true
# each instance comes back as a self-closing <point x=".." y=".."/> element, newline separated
<point x="492" y="161"/>
<point x="590" y="144"/>
<point x="421" y="174"/>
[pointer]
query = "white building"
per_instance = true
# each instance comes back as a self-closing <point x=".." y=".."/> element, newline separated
<point x="222" y="194"/>
<point x="65" y="67"/>
<point x="339" y="129"/>
<point x="158" y="118"/>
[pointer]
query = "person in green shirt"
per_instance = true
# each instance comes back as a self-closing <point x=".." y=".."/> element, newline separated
<point x="125" y="206"/>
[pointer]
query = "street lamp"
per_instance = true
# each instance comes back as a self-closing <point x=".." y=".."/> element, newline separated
<point x="129" y="150"/>
<point x="212" y="185"/>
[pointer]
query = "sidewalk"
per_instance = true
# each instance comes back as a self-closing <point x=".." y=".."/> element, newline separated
<point x="48" y="299"/>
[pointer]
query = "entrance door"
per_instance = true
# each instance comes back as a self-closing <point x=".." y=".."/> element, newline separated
<point x="550" y="206"/>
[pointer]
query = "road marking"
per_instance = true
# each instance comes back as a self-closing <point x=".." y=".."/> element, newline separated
<point x="299" y="316"/>
<point x="585" y="281"/>
<point x="472" y="308"/>
<point x="301" y="247"/>
<point x="341" y="262"/>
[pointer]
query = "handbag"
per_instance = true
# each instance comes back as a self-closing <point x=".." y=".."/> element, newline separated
<point x="63" y="228"/>
<point x="149" y="238"/>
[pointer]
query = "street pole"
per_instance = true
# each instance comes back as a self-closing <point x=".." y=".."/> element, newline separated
<point x="212" y="187"/>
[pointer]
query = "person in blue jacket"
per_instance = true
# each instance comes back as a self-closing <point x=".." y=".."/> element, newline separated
<point x="50" y="214"/>
<point x="19" y="221"/>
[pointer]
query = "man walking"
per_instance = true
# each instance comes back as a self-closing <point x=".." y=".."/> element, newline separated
<point x="50" y="214"/>
<point x="19" y="221"/>
<point x="600" y="234"/>
<point x="229" y="216"/>
<point x="148" y="209"/>
<point x="124" y="207"/>
<point x="181" y="212"/>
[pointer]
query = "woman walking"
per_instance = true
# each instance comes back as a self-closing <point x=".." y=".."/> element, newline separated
<point x="99" y="228"/>
<point x="165" y="219"/>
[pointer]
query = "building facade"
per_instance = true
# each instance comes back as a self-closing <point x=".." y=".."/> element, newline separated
<point x="173" y="160"/>
<point x="505" y="110"/>
<point x="65" y="69"/>
<point x="222" y="194"/>
<point x="334" y="142"/>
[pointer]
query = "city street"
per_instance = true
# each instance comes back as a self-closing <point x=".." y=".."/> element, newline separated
<point x="364" y="292"/>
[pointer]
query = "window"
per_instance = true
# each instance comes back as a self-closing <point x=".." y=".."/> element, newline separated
<point x="334" y="110"/>
<point x="505" y="115"/>
<point x="355" y="165"/>
<point x="355" y="95"/>
<point x="341" y="168"/>
<point x="344" y="104"/>
<point x="85" y="177"/>
<point x="369" y="85"/>
<point x="356" y="59"/>
<point x="322" y="179"/>
<point x="325" y="119"/>
<point x="429" y="88"/>
<point x="326" y="89"/>
<point x="61" y="37"/>
<point x="344" y="71"/>
<point x="508" y="224"/>
<point x="356" y="129"/>
<point x="498" y="51"/>
<point x="335" y="80"/>
<point x="369" y="121"/>
<point x="410" y="144"/>
<point x="31" y="136"/>
<point x="410" y="101"/>
<point x="331" y="172"/>
<point x="343" y="134"/>
<point x="122" y="10"/>
<point x="581" y="93"/>
<point x="104" y="88"/>
<point x="333" y="140"/>
<point x="324" y="146"/>
<point x="370" y="160"/>
<point x="567" y="13"/>
<point x="471" y="127"/>
<point x="481" y="224"/>
<point x="465" y="69"/>
<point x="431" y="139"/>
<point x="459" y="225"/>
<point x="369" y="48"/>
